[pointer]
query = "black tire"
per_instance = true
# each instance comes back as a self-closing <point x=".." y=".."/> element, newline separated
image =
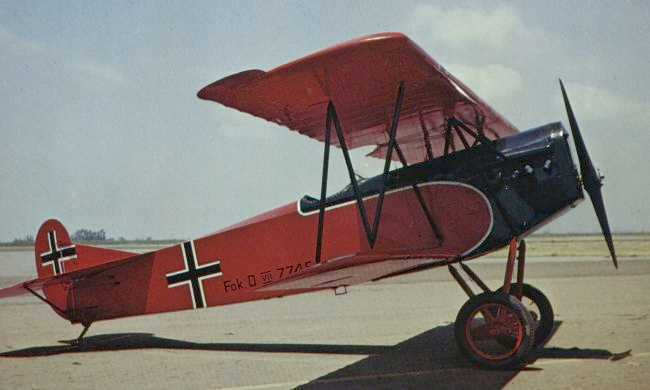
<point x="513" y="355"/>
<point x="544" y="318"/>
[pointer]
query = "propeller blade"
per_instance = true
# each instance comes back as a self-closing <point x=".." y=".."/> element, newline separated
<point x="589" y="175"/>
<point x="591" y="180"/>
<point x="599" y="207"/>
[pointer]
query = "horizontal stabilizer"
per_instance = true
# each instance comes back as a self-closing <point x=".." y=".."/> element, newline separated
<point x="68" y="278"/>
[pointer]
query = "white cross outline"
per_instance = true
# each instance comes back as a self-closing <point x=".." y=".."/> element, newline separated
<point x="189" y="281"/>
<point x="56" y="249"/>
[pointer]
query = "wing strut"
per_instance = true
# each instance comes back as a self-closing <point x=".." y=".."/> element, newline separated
<point x="425" y="136"/>
<point x="371" y="232"/>
<point x="418" y="194"/>
<point x="323" y="187"/>
<point x="478" y="135"/>
<point x="453" y="124"/>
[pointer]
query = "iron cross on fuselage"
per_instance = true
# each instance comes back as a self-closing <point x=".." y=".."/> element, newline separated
<point x="56" y="256"/>
<point x="194" y="274"/>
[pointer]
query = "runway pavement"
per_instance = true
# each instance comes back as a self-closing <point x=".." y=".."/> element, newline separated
<point x="393" y="334"/>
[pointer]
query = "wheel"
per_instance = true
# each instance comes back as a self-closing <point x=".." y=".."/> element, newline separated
<point x="494" y="331"/>
<point x="539" y="307"/>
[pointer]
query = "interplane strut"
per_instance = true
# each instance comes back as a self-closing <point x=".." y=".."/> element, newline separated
<point x="372" y="232"/>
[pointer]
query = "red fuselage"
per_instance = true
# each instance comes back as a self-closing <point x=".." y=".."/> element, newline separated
<point x="273" y="254"/>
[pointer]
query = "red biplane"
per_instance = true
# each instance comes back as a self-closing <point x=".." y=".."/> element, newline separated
<point x="469" y="183"/>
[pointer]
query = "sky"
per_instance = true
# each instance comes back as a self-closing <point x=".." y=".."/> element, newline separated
<point x="101" y="127"/>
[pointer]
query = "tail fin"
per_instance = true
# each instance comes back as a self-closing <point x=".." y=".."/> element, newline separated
<point x="53" y="249"/>
<point x="56" y="253"/>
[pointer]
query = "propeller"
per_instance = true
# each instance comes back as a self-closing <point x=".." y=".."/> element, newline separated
<point x="591" y="180"/>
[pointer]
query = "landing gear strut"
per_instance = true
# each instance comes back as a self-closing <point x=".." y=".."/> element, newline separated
<point x="80" y="339"/>
<point x="498" y="329"/>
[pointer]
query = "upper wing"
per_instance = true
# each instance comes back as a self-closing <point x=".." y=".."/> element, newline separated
<point x="361" y="78"/>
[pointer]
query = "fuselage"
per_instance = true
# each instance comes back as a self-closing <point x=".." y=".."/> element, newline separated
<point x="478" y="198"/>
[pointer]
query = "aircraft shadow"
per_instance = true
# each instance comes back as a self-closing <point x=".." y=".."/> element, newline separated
<point x="432" y="360"/>
<point x="128" y="341"/>
<point x="428" y="359"/>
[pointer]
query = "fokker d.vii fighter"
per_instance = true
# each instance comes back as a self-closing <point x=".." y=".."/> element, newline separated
<point x="469" y="183"/>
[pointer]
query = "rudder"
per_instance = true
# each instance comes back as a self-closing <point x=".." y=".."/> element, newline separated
<point x="53" y="249"/>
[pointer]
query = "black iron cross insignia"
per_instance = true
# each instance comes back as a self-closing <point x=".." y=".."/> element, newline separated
<point x="194" y="274"/>
<point x="56" y="256"/>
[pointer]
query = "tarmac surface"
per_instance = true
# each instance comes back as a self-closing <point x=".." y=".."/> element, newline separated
<point x="392" y="334"/>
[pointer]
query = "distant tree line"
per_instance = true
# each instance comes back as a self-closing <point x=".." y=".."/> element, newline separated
<point x="27" y="240"/>
<point x="89" y="235"/>
<point x="92" y="235"/>
<point x="79" y="235"/>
